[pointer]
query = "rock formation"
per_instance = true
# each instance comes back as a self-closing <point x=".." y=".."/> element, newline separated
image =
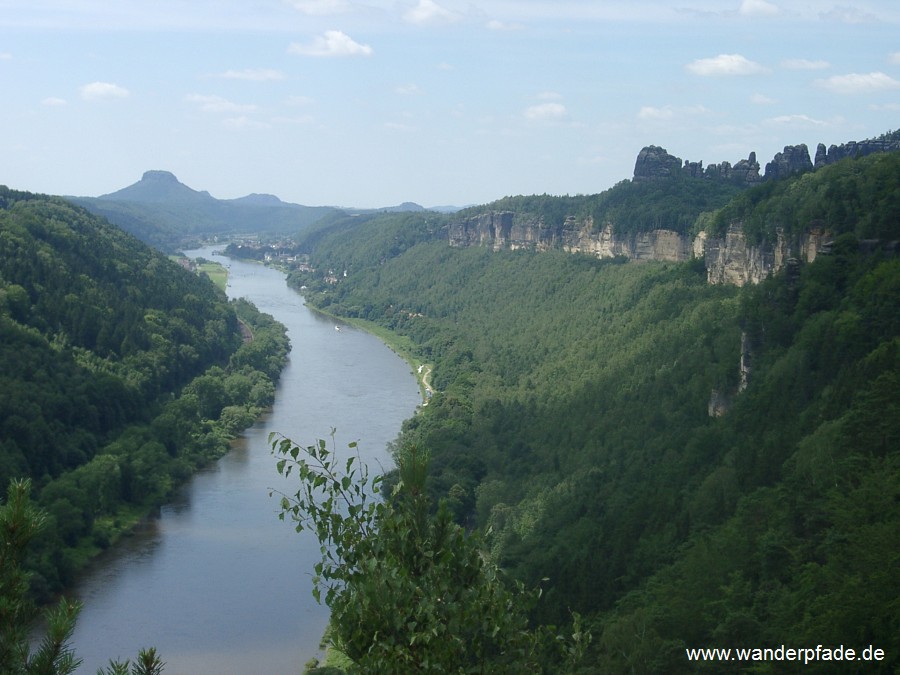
<point x="730" y="259"/>
<point x="745" y="171"/>
<point x="835" y="153"/>
<point x="793" y="159"/>
<point x="821" y="156"/>
<point x="654" y="163"/>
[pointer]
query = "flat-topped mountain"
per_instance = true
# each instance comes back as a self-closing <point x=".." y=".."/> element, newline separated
<point x="158" y="186"/>
<point x="162" y="211"/>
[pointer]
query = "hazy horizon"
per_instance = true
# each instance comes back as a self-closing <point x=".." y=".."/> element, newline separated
<point x="437" y="102"/>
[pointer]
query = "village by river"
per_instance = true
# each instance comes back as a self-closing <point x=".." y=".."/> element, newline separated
<point x="216" y="583"/>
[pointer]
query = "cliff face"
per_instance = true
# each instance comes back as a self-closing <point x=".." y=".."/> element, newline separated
<point x="729" y="260"/>
<point x="506" y="230"/>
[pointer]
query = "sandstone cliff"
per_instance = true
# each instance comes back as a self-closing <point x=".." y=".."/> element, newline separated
<point x="730" y="259"/>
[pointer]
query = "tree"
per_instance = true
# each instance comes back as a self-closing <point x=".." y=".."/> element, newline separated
<point x="147" y="663"/>
<point x="408" y="589"/>
<point x="20" y="521"/>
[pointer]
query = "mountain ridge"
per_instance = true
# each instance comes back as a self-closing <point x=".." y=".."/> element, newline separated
<point x="165" y="213"/>
<point x="156" y="186"/>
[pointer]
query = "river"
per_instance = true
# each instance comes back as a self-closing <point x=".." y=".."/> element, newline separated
<point x="216" y="582"/>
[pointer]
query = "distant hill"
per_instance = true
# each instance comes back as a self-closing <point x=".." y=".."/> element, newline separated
<point x="257" y="199"/>
<point x="164" y="212"/>
<point x="159" y="187"/>
<point x="447" y="208"/>
<point x="405" y="207"/>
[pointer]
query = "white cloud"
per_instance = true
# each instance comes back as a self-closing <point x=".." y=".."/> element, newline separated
<point x="844" y="14"/>
<point x="804" y="64"/>
<point x="428" y="11"/>
<point x="758" y="8"/>
<point x="5" y="56"/>
<point x="407" y="89"/>
<point x="546" y="112"/>
<point x="331" y="43"/>
<point x="856" y="83"/>
<point x="795" y="120"/>
<point x="494" y="24"/>
<point x="761" y="99"/>
<point x="399" y="126"/>
<point x="299" y="101"/>
<point x="725" y="64"/>
<point x="894" y="58"/>
<point x="321" y="7"/>
<point x="100" y="90"/>
<point x="303" y="120"/>
<point x="648" y="112"/>
<point x="54" y="101"/>
<point x="242" y="122"/>
<point x="253" y="74"/>
<point x="217" y="104"/>
<point x="668" y="112"/>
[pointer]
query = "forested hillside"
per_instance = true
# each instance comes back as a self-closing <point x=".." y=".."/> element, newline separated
<point x="685" y="465"/>
<point x="120" y="372"/>
<point x="859" y="197"/>
<point x="674" y="204"/>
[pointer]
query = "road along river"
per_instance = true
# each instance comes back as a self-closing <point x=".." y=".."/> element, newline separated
<point x="216" y="582"/>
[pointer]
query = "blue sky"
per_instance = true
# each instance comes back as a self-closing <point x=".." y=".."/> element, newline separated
<point x="376" y="102"/>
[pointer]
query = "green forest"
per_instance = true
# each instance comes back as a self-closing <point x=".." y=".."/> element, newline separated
<point x="682" y="465"/>
<point x="619" y="462"/>
<point x="120" y="374"/>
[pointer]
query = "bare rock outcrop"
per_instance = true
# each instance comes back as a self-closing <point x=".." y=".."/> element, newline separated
<point x="730" y="259"/>
<point x="836" y="153"/>
<point x="654" y="163"/>
<point x="745" y="171"/>
<point x="793" y="159"/>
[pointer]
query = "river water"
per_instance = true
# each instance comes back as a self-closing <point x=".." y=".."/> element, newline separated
<point x="216" y="582"/>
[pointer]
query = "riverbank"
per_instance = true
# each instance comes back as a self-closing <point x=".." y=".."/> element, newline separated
<point x="401" y="345"/>
<point x="137" y="472"/>
<point x="215" y="581"/>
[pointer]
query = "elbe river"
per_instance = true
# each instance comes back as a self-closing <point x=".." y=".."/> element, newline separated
<point x="216" y="582"/>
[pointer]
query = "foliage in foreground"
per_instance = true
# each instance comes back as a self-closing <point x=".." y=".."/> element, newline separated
<point x="409" y="590"/>
<point x="20" y="521"/>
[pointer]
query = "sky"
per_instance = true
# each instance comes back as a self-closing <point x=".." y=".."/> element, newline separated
<point x="372" y="103"/>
